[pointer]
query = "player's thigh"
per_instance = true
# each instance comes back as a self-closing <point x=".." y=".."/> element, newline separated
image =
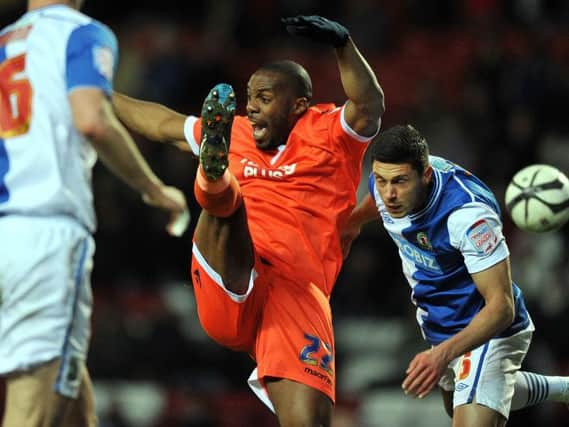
<point x="226" y="245"/>
<point x="28" y="394"/>
<point x="31" y="401"/>
<point x="229" y="318"/>
<point x="81" y="411"/>
<point x="447" y="401"/>
<point x="471" y="415"/>
<point x="474" y="415"/>
<point x="298" y="405"/>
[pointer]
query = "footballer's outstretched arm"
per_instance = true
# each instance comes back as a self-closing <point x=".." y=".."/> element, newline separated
<point x="366" y="100"/>
<point x="366" y="103"/>
<point x="151" y="120"/>
<point x="93" y="116"/>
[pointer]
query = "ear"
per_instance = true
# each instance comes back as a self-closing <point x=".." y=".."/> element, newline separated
<point x="300" y="106"/>
<point x="428" y="174"/>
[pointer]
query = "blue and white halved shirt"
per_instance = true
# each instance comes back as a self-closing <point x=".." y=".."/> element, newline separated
<point x="456" y="234"/>
<point x="45" y="163"/>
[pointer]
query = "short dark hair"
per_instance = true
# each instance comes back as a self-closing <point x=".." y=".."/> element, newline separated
<point x="294" y="73"/>
<point x="401" y="144"/>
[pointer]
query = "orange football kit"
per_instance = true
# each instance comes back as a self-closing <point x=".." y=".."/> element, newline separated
<point x="298" y="198"/>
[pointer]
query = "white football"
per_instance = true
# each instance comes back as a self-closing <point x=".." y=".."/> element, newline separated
<point x="537" y="198"/>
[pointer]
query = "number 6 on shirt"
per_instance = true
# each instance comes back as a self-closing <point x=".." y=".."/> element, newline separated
<point x="15" y="98"/>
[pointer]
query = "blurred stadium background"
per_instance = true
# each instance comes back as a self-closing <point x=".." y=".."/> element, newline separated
<point x="486" y="81"/>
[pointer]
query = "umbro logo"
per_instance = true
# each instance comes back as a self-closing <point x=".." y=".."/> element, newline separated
<point x="461" y="386"/>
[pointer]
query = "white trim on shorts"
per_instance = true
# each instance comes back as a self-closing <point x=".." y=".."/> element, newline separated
<point x="258" y="386"/>
<point x="70" y="369"/>
<point x="216" y="277"/>
<point x="189" y="124"/>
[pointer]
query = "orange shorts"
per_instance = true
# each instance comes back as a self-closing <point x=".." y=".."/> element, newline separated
<point x="285" y="325"/>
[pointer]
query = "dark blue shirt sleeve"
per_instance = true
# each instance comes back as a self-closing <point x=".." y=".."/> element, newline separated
<point x="92" y="55"/>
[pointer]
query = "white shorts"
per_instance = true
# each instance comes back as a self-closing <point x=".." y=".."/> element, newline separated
<point x="486" y="375"/>
<point x="45" y="296"/>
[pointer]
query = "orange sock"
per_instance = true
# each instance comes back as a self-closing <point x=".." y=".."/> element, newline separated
<point x="220" y="198"/>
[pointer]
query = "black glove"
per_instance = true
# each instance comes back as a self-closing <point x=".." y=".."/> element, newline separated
<point x="317" y="28"/>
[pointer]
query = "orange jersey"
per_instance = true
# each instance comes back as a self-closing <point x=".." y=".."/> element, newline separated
<point x="298" y="197"/>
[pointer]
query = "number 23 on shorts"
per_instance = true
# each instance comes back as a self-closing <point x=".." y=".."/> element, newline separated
<point x="317" y="353"/>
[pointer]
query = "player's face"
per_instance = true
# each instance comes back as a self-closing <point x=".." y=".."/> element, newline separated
<point x="272" y="109"/>
<point x="401" y="187"/>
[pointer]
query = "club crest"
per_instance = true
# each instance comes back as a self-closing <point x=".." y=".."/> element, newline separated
<point x="423" y="241"/>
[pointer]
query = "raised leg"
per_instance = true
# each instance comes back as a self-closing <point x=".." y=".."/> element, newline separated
<point x="222" y="234"/>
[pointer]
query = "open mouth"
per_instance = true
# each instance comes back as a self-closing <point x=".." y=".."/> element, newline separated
<point x="259" y="130"/>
